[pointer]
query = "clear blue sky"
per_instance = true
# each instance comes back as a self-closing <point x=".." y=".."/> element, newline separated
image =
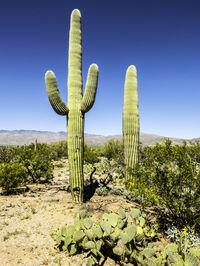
<point x="160" y="37"/>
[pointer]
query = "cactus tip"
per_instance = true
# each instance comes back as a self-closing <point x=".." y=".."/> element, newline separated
<point x="76" y="12"/>
<point x="49" y="73"/>
<point x="94" y="66"/>
<point x="131" y="68"/>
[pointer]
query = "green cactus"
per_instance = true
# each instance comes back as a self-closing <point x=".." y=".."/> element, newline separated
<point x="127" y="245"/>
<point x="149" y="262"/>
<point x="72" y="249"/>
<point x="131" y="231"/>
<point x="64" y="231"/>
<point x="124" y="237"/>
<point x="135" y="213"/>
<point x="87" y="223"/>
<point x="77" y="223"/>
<point x="114" y="236"/>
<point x="118" y="251"/>
<point x="106" y="226"/>
<point x="191" y="260"/>
<point x="195" y="251"/>
<point x="78" y="235"/>
<point x="111" y="218"/>
<point x="82" y="214"/>
<point x="131" y="128"/>
<point x="35" y="146"/>
<point x="122" y="214"/>
<point x="121" y="223"/>
<point x="97" y="231"/>
<point x="142" y="221"/>
<point x="149" y="252"/>
<point x="78" y="104"/>
<point x="89" y="245"/>
<point x="89" y="234"/>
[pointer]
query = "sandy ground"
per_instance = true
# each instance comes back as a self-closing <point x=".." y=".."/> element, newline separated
<point x="27" y="219"/>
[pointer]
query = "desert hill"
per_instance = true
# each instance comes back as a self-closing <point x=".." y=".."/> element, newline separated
<point x="20" y="137"/>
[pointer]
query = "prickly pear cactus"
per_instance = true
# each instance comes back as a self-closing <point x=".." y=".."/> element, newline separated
<point x="116" y="234"/>
<point x="131" y="128"/>
<point x="127" y="237"/>
<point x="78" y="104"/>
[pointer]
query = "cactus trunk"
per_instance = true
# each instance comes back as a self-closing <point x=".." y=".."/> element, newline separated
<point x="75" y="138"/>
<point x="78" y="104"/>
<point x="131" y="128"/>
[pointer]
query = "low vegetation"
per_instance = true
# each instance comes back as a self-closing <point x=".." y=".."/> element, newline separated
<point x="165" y="184"/>
<point x="127" y="238"/>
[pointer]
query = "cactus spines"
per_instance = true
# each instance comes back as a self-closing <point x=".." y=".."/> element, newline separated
<point x="131" y="126"/>
<point x="78" y="104"/>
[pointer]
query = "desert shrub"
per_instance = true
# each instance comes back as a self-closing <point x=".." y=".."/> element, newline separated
<point x="7" y="154"/>
<point x="113" y="149"/>
<point x="186" y="237"/>
<point x="91" y="155"/>
<point x="11" y="176"/>
<point x="58" y="150"/>
<point x="39" y="168"/>
<point x="102" y="191"/>
<point x="106" y="167"/>
<point x="169" y="176"/>
<point x="194" y="150"/>
<point x="38" y="163"/>
<point x="134" y="195"/>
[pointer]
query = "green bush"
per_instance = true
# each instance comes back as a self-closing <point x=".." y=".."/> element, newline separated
<point x="169" y="176"/>
<point x="106" y="167"/>
<point x="11" y="176"/>
<point x="38" y="163"/>
<point x="58" y="150"/>
<point x="39" y="168"/>
<point x="113" y="149"/>
<point x="102" y="191"/>
<point x="35" y="158"/>
<point x="7" y="154"/>
<point x="91" y="155"/>
<point x="186" y="237"/>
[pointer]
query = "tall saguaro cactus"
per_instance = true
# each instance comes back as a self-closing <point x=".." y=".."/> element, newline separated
<point x="131" y="127"/>
<point x="78" y="104"/>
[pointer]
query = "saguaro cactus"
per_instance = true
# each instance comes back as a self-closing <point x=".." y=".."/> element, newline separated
<point x="78" y="104"/>
<point x="131" y="127"/>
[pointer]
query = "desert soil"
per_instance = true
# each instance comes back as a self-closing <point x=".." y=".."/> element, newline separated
<point x="27" y="219"/>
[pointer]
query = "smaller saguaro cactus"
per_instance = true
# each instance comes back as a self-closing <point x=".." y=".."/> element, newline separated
<point x="35" y="146"/>
<point x="78" y="104"/>
<point x="131" y="127"/>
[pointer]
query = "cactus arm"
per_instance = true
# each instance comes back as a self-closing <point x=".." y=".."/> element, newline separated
<point x="131" y="119"/>
<point x="75" y="82"/>
<point x="90" y="89"/>
<point x="53" y="94"/>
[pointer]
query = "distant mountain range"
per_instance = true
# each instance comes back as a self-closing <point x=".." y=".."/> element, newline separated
<point x="20" y="137"/>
